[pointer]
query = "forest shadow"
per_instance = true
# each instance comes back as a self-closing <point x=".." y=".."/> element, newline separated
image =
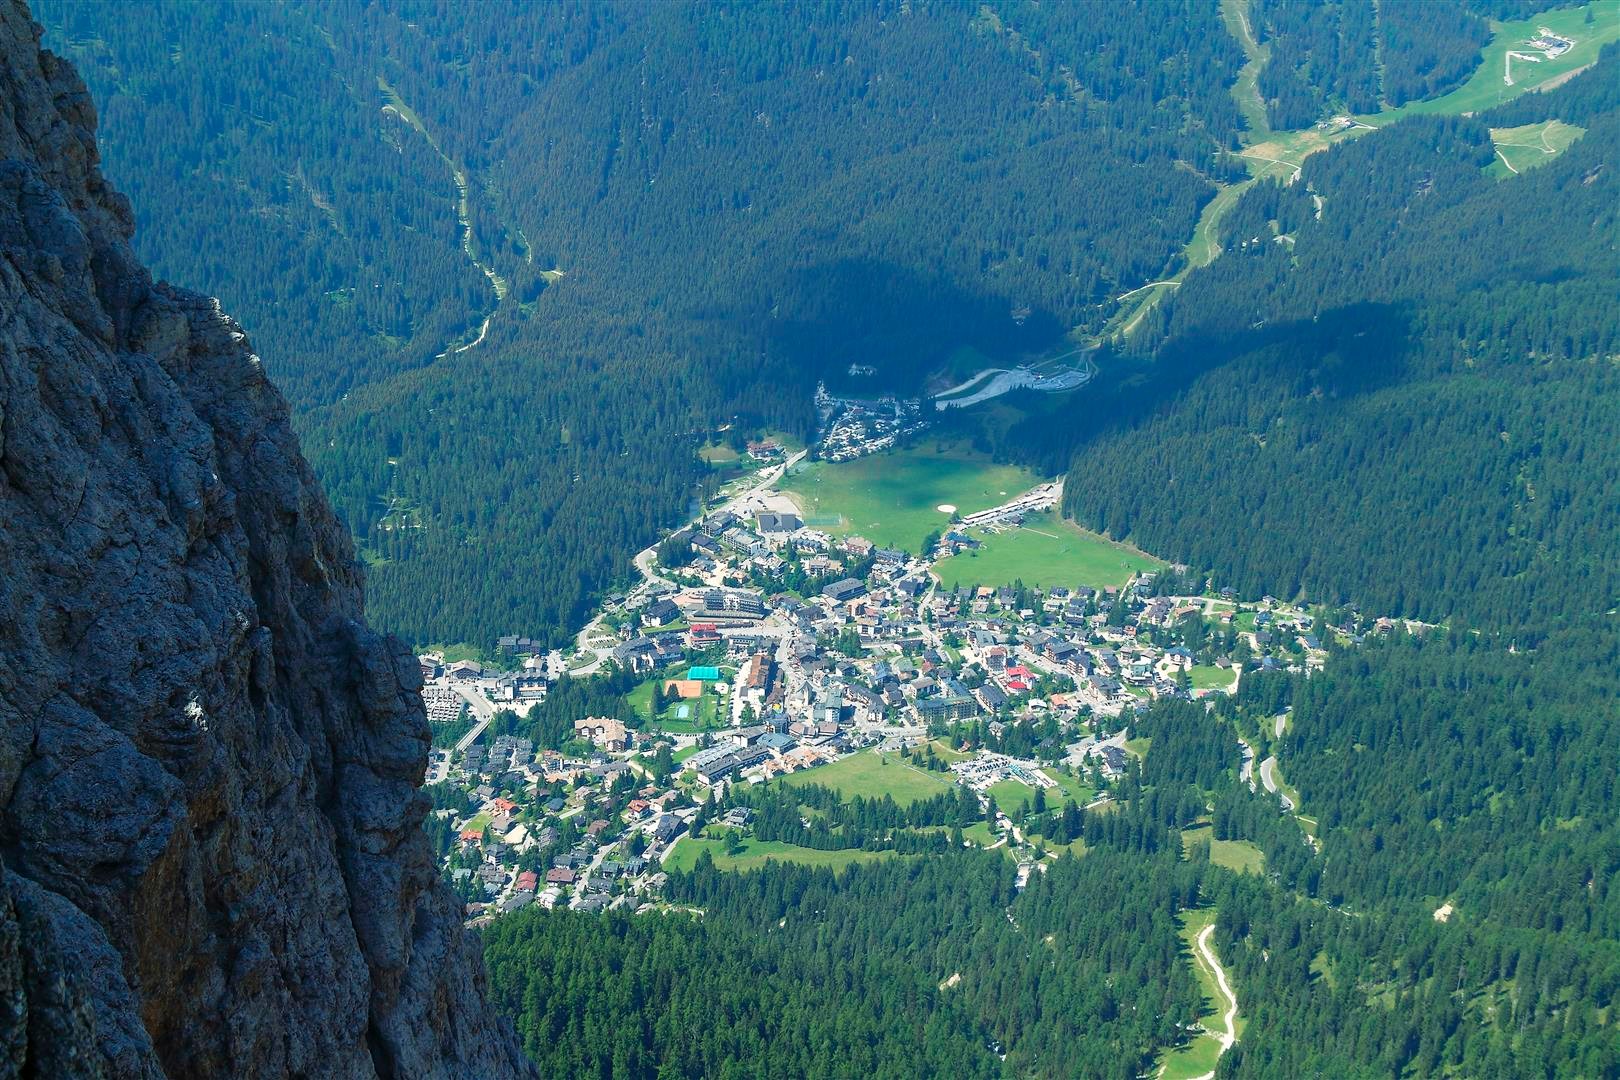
<point x="901" y="321"/>
<point x="1344" y="352"/>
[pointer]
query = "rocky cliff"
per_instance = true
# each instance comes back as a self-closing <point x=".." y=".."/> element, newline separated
<point x="209" y="765"/>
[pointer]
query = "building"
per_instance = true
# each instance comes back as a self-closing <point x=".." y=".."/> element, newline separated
<point x="843" y="590"/>
<point x="603" y="731"/>
<point x="945" y="709"/>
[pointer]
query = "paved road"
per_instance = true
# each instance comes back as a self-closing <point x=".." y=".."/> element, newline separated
<point x="1268" y="776"/>
<point x="481" y="707"/>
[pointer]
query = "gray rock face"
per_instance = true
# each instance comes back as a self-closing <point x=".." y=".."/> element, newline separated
<point x="210" y="823"/>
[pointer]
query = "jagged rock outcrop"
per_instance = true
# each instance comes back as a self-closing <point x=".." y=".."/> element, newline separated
<point x="209" y="811"/>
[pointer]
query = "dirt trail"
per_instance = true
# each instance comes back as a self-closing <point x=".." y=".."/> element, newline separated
<point x="397" y="106"/>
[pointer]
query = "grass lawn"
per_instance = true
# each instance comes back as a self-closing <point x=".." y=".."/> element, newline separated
<point x="1070" y="788"/>
<point x="1011" y="794"/>
<point x="1521" y="148"/>
<point x="479" y="821"/>
<point x="755" y="853"/>
<point x="874" y="775"/>
<point x="943" y="751"/>
<point x="457" y="652"/>
<point x="893" y="499"/>
<point x="718" y="454"/>
<point x="1138" y="747"/>
<point x="1239" y="856"/>
<point x="1047" y="551"/>
<point x="980" y="833"/>
<point x="1210" y="677"/>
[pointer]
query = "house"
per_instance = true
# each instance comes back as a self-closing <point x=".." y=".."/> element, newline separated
<point x="559" y="875"/>
<point x="466" y="670"/>
<point x="636" y="655"/>
<point x="528" y="881"/>
<point x="663" y="612"/>
<point x="603" y="731"/>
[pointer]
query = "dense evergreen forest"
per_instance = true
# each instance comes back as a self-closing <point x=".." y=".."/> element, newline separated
<point x="1358" y="56"/>
<point x="797" y="972"/>
<point x="1396" y="387"/>
<point x="687" y="213"/>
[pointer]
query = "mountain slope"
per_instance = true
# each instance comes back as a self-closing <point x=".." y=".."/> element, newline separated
<point x="209" y="815"/>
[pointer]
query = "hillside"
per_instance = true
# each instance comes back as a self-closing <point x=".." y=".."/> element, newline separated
<point x="697" y="211"/>
<point x="1397" y="388"/>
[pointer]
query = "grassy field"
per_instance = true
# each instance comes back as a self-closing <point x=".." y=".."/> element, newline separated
<point x="1048" y="551"/>
<point x="980" y="833"/>
<point x="1239" y="856"/>
<point x="755" y="853"/>
<point x="1521" y="148"/>
<point x="893" y="499"/>
<point x="874" y="775"/>
<point x="1210" y="677"/>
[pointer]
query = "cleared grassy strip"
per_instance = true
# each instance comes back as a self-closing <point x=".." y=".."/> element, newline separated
<point x="1526" y="147"/>
<point x="1199" y="1057"/>
<point x="756" y="853"/>
<point x="1239" y="856"/>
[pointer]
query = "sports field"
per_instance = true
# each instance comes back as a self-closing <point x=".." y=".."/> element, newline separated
<point x="893" y="499"/>
<point x="874" y="775"/>
<point x="1047" y="551"/>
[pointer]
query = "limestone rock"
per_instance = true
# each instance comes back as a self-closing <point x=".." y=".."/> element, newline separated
<point x="210" y="820"/>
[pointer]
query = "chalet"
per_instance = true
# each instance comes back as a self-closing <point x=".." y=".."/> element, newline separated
<point x="662" y="612"/>
<point x="636" y="655"/>
<point x="603" y="731"/>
